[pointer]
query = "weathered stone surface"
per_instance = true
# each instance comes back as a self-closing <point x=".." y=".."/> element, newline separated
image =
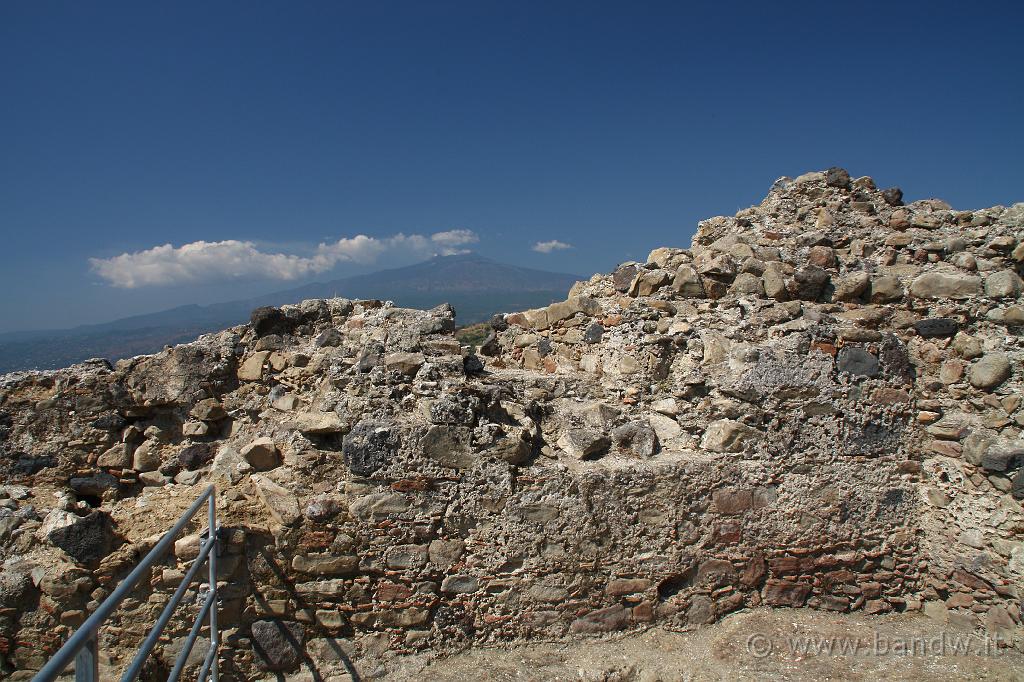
<point x="857" y="361"/>
<point x="785" y="593"/>
<point x="636" y="437"/>
<point x="460" y="584"/>
<point x="808" y="283"/>
<point x="727" y="435"/>
<point x="282" y="505"/>
<point x="404" y="557"/>
<point x="621" y="587"/>
<point x="1002" y="459"/>
<point x="837" y="177"/>
<point x="119" y="456"/>
<point x="990" y="371"/>
<point x="649" y="281"/>
<point x="1003" y="284"/>
<point x="602" y="620"/>
<point x="87" y="539"/>
<point x="146" y="457"/>
<point x="748" y="284"/>
<point x="593" y="333"/>
<point x="209" y="410"/>
<point x="326" y="565"/>
<point x="448" y="446"/>
<point x="581" y="443"/>
<point x="893" y="196"/>
<point x="316" y="423"/>
<point x="404" y="363"/>
<point x="329" y="338"/>
<point x="732" y="501"/>
<point x="278" y="644"/>
<point x="262" y="454"/>
<point x="936" y="327"/>
<point x="195" y="429"/>
<point x="445" y="553"/>
<point x="251" y="368"/>
<point x="945" y="285"/>
<point x="515" y="446"/>
<point x="623" y="277"/>
<point x="369" y="446"/>
<point x="852" y="286"/>
<point x="192" y="457"/>
<point x="886" y="289"/>
<point x="687" y="282"/>
<point x="620" y="461"/>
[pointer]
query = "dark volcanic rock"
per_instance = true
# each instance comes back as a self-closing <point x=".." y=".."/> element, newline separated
<point x="88" y="539"/>
<point x="278" y="644"/>
<point x="195" y="456"/>
<point x="857" y="361"/>
<point x="594" y="333"/>
<point x="95" y="485"/>
<point x="936" y="327"/>
<point x="26" y="465"/>
<point x="808" y="283"/>
<point x="893" y="196"/>
<point x="270" y="320"/>
<point x="837" y="177"/>
<point x="369" y="446"/>
<point x="623" y="277"/>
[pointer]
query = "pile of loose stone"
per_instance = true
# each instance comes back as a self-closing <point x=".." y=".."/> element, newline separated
<point x="817" y="404"/>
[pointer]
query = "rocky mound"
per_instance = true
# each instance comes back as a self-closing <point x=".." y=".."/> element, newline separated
<point x="817" y="404"/>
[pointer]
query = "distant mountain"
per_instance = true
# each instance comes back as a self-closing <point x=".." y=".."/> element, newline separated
<point x="476" y="286"/>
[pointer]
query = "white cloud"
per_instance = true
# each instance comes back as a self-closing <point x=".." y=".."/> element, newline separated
<point x="452" y="239"/>
<point x="232" y="259"/>
<point x="549" y="246"/>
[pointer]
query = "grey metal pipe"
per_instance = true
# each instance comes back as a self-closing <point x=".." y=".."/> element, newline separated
<point x="186" y="649"/>
<point x="214" y="634"/>
<point x="154" y="635"/>
<point x="91" y="626"/>
<point x="87" y="661"/>
<point x="209" y="664"/>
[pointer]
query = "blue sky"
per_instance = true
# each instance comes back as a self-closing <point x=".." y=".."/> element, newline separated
<point x="432" y="127"/>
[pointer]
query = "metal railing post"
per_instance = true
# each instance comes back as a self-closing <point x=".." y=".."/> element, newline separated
<point x="82" y="646"/>
<point x="87" y="661"/>
<point x="214" y="538"/>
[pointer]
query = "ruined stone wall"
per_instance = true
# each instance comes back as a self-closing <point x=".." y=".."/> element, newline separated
<point x="817" y="404"/>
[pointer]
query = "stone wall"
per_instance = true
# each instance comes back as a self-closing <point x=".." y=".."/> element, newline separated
<point x="817" y="404"/>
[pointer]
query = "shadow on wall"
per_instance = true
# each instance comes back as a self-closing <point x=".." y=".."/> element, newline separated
<point x="281" y="645"/>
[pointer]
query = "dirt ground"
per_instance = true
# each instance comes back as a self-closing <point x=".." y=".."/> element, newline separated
<point x="751" y="645"/>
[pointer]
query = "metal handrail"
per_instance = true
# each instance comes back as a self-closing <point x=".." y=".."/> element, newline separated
<point x="82" y="645"/>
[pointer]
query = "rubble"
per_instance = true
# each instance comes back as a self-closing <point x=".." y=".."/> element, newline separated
<point x="818" y="403"/>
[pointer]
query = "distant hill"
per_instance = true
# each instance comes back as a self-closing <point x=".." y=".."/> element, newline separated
<point x="476" y="286"/>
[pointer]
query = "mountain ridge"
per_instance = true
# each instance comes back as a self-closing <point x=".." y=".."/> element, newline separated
<point x="475" y="285"/>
